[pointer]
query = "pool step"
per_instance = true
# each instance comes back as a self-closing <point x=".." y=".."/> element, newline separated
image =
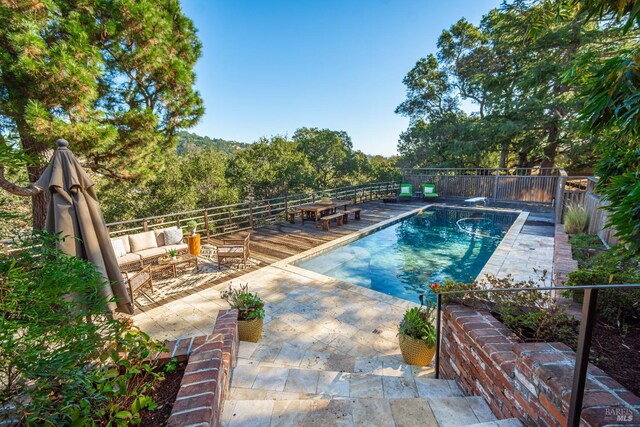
<point x="443" y="412"/>
<point x="280" y="383"/>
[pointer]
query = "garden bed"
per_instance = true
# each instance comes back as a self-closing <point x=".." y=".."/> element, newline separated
<point x="164" y="395"/>
<point x="615" y="346"/>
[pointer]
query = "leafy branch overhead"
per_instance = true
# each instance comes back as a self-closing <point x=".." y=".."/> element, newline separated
<point x="113" y="78"/>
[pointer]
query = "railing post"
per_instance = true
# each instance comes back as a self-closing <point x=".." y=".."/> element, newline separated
<point x="251" y="214"/>
<point x="286" y="205"/>
<point x="438" y="333"/>
<point x="145" y="225"/>
<point x="589" y="308"/>
<point x="495" y="185"/>
<point x="206" y="223"/>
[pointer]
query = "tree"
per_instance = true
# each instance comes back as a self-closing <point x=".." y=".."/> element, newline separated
<point x="526" y="109"/>
<point x="329" y="152"/>
<point x="113" y="77"/>
<point x="269" y="168"/>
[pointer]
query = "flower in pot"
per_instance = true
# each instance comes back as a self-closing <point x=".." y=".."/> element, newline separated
<point x="417" y="335"/>
<point x="192" y="225"/>
<point x="250" y="311"/>
<point x="172" y="253"/>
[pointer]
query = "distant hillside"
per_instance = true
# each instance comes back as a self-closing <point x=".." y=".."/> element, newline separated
<point x="192" y="143"/>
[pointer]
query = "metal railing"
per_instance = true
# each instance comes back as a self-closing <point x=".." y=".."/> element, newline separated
<point x="589" y="311"/>
<point x="250" y="214"/>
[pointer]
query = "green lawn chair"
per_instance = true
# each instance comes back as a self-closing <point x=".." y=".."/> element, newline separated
<point x="406" y="192"/>
<point x="429" y="191"/>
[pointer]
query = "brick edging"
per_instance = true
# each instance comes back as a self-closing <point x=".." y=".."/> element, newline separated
<point x="529" y="381"/>
<point x="207" y="376"/>
<point x="563" y="262"/>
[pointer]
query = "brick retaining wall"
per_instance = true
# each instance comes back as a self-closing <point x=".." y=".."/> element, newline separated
<point x="207" y="375"/>
<point x="563" y="262"/>
<point x="529" y="381"/>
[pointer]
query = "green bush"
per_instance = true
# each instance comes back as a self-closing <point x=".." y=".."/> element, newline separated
<point x="618" y="307"/>
<point x="532" y="314"/>
<point x="576" y="219"/>
<point x="250" y="306"/>
<point x="63" y="361"/>
<point x="417" y="323"/>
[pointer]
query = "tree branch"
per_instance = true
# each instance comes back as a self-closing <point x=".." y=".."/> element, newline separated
<point x="12" y="188"/>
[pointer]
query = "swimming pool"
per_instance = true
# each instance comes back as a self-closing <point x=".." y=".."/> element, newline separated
<point x="404" y="258"/>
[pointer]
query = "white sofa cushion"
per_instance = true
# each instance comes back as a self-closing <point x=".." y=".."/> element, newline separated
<point x="128" y="258"/>
<point x="142" y="241"/>
<point x="125" y="243"/>
<point x="118" y="247"/>
<point x="173" y="236"/>
<point x="160" y="236"/>
<point x="178" y="248"/>
<point x="151" y="252"/>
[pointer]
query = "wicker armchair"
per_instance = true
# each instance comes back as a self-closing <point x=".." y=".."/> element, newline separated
<point x="138" y="280"/>
<point x="234" y="249"/>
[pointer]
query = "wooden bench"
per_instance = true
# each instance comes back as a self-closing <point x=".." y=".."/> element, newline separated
<point x="356" y="213"/>
<point x="292" y="216"/>
<point x="326" y="219"/>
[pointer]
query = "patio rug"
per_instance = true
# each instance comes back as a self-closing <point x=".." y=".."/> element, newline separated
<point x="166" y="286"/>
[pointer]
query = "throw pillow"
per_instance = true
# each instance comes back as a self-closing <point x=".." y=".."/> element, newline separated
<point x="428" y="190"/>
<point x="173" y="236"/>
<point x="118" y="247"/>
<point x="405" y="190"/>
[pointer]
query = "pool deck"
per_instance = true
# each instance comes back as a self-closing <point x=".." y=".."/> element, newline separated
<point x="277" y="246"/>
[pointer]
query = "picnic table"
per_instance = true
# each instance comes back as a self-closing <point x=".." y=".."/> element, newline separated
<point x="314" y="211"/>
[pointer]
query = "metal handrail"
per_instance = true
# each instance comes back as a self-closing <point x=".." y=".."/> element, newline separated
<point x="589" y="309"/>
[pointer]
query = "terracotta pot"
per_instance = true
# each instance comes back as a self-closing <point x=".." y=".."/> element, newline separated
<point x="415" y="352"/>
<point x="249" y="330"/>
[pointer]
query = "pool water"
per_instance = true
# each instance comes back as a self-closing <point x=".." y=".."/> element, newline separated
<point x="404" y="258"/>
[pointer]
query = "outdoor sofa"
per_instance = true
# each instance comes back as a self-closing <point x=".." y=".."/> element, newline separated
<point x="134" y="251"/>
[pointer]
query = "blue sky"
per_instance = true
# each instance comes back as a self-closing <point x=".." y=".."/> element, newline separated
<point x="269" y="67"/>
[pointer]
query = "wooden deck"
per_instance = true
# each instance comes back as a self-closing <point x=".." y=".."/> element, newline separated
<point x="281" y="240"/>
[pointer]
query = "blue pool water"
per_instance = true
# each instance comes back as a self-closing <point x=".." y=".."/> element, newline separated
<point x="404" y="258"/>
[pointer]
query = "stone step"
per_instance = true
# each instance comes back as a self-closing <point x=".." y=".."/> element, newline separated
<point x="269" y="382"/>
<point x="443" y="412"/>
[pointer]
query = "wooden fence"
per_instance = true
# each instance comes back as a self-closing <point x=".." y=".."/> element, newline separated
<point x="250" y="214"/>
<point x="513" y="184"/>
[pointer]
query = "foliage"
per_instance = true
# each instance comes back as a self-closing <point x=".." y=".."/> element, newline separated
<point x="618" y="307"/>
<point x="526" y="111"/>
<point x="191" y="225"/>
<point x="576" y="219"/>
<point x="250" y="306"/>
<point x="63" y="360"/>
<point x="533" y="315"/>
<point x="172" y="252"/>
<point x="189" y="143"/>
<point x="113" y="78"/>
<point x="417" y="323"/>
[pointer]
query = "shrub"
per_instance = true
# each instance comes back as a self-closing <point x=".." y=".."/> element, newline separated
<point x="63" y="361"/>
<point x="250" y="306"/>
<point x="532" y="314"/>
<point x="417" y="323"/>
<point x="576" y="219"/>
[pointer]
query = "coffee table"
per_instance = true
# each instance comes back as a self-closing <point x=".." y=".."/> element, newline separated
<point x="169" y="264"/>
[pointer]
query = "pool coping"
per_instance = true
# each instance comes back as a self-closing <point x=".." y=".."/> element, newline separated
<point x="290" y="264"/>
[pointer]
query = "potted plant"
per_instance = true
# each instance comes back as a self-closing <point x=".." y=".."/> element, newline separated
<point x="417" y="334"/>
<point x="326" y="199"/>
<point x="172" y="254"/>
<point x="192" y="225"/>
<point x="250" y="311"/>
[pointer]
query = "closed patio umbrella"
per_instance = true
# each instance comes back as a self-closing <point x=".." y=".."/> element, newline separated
<point x="74" y="212"/>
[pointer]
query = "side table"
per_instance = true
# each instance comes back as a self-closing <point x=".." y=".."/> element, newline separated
<point x="194" y="244"/>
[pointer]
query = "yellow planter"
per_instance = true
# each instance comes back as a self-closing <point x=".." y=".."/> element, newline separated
<point x="249" y="330"/>
<point x="416" y="352"/>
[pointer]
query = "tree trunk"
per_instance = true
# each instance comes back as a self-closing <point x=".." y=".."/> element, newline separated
<point x="550" y="150"/>
<point x="40" y="201"/>
<point x="503" y="156"/>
